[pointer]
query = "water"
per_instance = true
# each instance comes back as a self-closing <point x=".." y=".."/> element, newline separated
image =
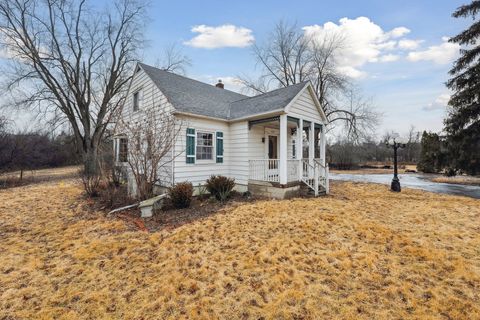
<point x="415" y="181"/>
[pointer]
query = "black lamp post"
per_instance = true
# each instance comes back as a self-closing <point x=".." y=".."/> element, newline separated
<point x="395" y="186"/>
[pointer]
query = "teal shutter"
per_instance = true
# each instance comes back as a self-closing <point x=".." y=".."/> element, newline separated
<point x="190" y="145"/>
<point x="219" y="147"/>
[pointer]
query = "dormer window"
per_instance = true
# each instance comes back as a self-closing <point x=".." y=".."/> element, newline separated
<point x="136" y="101"/>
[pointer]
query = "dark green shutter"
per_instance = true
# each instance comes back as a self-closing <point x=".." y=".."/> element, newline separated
<point x="190" y="145"/>
<point x="219" y="147"/>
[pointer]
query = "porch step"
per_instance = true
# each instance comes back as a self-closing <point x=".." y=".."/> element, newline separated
<point x="306" y="191"/>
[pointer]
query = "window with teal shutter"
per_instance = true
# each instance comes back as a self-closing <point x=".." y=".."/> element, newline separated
<point x="190" y="145"/>
<point x="219" y="147"/>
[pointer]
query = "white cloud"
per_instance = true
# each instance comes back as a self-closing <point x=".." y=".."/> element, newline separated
<point x="409" y="44"/>
<point x="226" y="35"/>
<point x="398" y="32"/>
<point x="352" y="72"/>
<point x="363" y="42"/>
<point x="439" y="104"/>
<point x="389" y="58"/>
<point x="230" y="83"/>
<point x="444" y="53"/>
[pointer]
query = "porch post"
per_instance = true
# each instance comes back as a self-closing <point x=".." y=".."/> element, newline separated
<point x="116" y="149"/>
<point x="311" y="141"/>
<point x="299" y="144"/>
<point x="282" y="167"/>
<point x="323" y="143"/>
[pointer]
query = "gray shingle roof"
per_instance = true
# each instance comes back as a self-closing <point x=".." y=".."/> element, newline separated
<point x="269" y="101"/>
<point x="192" y="96"/>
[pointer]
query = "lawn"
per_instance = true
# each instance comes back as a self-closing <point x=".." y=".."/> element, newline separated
<point x="360" y="253"/>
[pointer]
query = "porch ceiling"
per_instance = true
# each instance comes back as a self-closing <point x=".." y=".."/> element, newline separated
<point x="275" y="124"/>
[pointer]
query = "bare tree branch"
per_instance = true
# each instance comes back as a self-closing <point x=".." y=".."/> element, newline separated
<point x="289" y="57"/>
<point x="72" y="61"/>
<point x="151" y="140"/>
<point x="174" y="60"/>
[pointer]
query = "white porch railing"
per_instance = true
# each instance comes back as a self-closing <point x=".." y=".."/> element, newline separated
<point x="312" y="173"/>
<point x="264" y="170"/>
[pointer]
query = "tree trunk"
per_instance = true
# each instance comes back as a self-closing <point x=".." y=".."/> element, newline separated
<point x="90" y="160"/>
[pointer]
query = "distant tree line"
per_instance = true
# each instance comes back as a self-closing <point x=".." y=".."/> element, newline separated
<point x="348" y="154"/>
<point x="29" y="150"/>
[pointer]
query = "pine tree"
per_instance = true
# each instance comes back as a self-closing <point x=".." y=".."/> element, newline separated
<point x="463" y="121"/>
<point x="432" y="157"/>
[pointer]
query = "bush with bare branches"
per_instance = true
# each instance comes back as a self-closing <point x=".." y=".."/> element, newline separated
<point x="151" y="139"/>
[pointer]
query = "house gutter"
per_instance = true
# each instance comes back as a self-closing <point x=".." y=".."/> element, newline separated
<point x="254" y="116"/>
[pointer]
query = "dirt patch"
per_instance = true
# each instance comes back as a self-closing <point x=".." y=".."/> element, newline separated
<point x="201" y="207"/>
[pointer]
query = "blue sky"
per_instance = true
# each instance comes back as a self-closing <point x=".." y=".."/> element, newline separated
<point x="396" y="51"/>
<point x="408" y="91"/>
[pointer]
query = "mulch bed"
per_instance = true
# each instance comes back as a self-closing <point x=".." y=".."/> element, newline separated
<point x="170" y="218"/>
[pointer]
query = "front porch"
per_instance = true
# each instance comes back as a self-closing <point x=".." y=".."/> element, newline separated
<point x="288" y="152"/>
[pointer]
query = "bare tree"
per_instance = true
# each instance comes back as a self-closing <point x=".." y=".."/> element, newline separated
<point x="358" y="116"/>
<point x="151" y="141"/>
<point x="72" y="62"/>
<point x="412" y="146"/>
<point x="173" y="60"/>
<point x="289" y="57"/>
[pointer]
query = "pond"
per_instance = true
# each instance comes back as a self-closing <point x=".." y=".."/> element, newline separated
<point x="415" y="181"/>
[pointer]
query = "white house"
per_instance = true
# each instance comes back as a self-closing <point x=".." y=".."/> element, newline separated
<point x="272" y="144"/>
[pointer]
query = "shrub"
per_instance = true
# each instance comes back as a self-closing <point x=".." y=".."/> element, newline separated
<point x="220" y="187"/>
<point x="181" y="195"/>
<point x="91" y="184"/>
<point x="113" y="196"/>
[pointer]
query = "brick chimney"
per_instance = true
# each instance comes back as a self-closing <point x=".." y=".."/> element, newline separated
<point x="219" y="84"/>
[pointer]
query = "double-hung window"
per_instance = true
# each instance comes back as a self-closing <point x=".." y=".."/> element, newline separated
<point x="136" y="100"/>
<point x="122" y="150"/>
<point x="204" y="146"/>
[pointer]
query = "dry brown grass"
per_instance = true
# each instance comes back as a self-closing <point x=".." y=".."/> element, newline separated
<point x="12" y="179"/>
<point x="378" y="170"/>
<point x="360" y="253"/>
<point x="465" y="180"/>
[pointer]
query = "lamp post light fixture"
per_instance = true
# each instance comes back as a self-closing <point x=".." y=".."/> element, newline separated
<point x="395" y="186"/>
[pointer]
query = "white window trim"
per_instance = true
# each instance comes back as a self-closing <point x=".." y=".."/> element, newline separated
<point x="213" y="133"/>
<point x="140" y="98"/>
<point x="117" y="148"/>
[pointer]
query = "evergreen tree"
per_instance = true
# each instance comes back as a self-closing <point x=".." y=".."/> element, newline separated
<point x="431" y="156"/>
<point x="463" y="121"/>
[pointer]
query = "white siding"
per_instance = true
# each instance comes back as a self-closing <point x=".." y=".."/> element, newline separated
<point x="256" y="149"/>
<point x="151" y="97"/>
<point x="304" y="107"/>
<point x="201" y="170"/>
<point x="290" y="140"/>
<point x="239" y="151"/>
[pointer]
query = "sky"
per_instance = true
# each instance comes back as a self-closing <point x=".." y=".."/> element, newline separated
<point x="397" y="51"/>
